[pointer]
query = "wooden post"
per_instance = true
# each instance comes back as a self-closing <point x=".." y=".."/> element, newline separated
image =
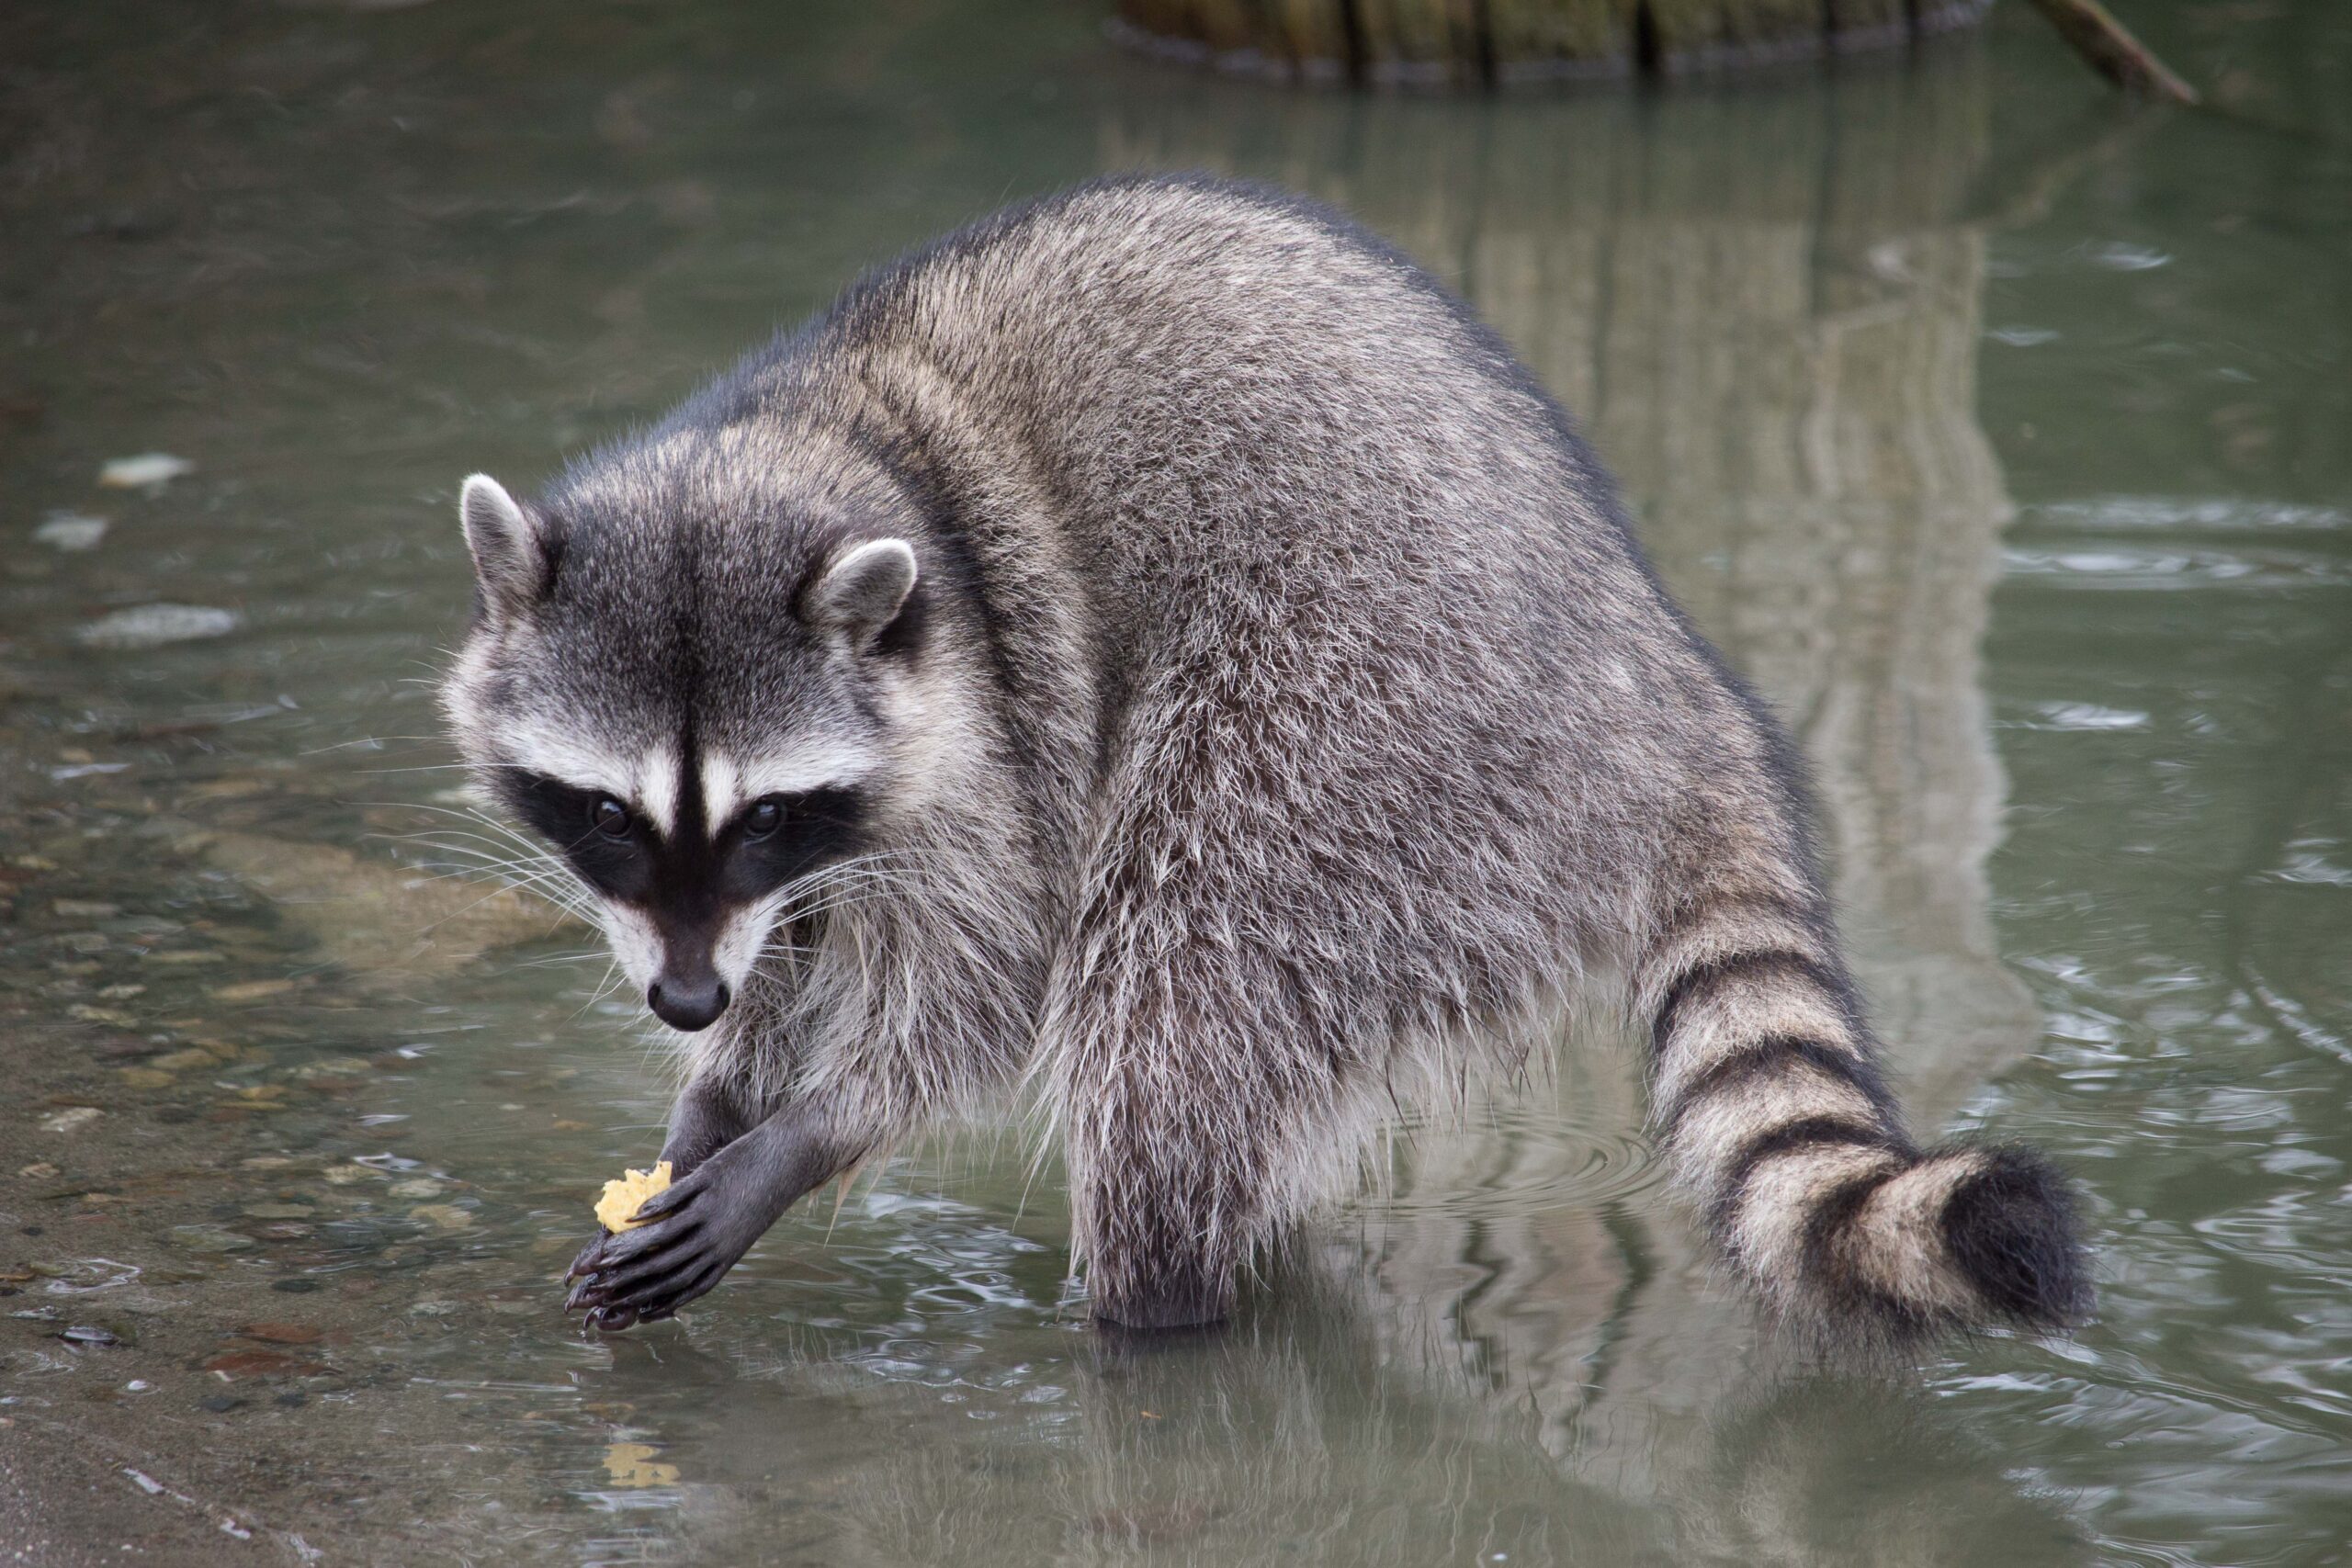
<point x="1440" y="44"/>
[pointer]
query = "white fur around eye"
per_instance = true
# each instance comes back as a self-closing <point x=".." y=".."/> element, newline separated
<point x="658" y="780"/>
<point x="824" y="766"/>
<point x="574" y="759"/>
<point x="636" y="943"/>
<point x="729" y="785"/>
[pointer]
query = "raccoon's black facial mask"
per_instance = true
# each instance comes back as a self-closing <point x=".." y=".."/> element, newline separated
<point x="689" y="883"/>
<point x="619" y="853"/>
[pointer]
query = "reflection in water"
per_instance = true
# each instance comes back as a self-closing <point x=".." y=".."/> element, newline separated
<point x="1306" y="1435"/>
<point x="1313" y="1434"/>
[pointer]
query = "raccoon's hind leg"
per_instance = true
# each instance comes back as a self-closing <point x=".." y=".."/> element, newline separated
<point x="1193" y="1125"/>
<point x="1766" y="1095"/>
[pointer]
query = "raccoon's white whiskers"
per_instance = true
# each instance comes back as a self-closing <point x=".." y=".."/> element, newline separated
<point x="873" y="862"/>
<point x="549" y="880"/>
<point x="528" y="846"/>
<point x="553" y="960"/>
<point x="429" y="768"/>
<point x="469" y="909"/>
<point x="605" y="987"/>
<point x="454" y="842"/>
<point x="872" y="872"/>
<point x="493" y="861"/>
<point x="842" y="899"/>
<point x="516" y="843"/>
<point x="472" y="862"/>
<point x="876" y="876"/>
<point x="489" y="850"/>
<point x="547" y="893"/>
<point x="545" y="884"/>
<point x="779" y="940"/>
<point x="374" y="742"/>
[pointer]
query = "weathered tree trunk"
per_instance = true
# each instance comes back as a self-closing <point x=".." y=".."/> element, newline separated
<point x="1472" y="43"/>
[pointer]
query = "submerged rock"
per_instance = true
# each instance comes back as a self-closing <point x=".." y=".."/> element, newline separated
<point x="148" y="470"/>
<point x="148" y="625"/>
<point x="282" y="1333"/>
<point x="230" y="1365"/>
<point x="71" y="531"/>
<point x="384" y="923"/>
<point x="251" y="990"/>
<point x="210" y="1238"/>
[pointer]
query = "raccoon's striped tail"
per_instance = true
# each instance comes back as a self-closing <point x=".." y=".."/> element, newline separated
<point x="1767" y="1097"/>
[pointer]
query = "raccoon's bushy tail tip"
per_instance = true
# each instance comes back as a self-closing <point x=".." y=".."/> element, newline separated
<point x="2010" y="1230"/>
<point x="1955" y="1239"/>
<point x="1767" y="1094"/>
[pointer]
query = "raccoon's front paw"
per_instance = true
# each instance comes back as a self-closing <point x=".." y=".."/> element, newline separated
<point x="686" y="1239"/>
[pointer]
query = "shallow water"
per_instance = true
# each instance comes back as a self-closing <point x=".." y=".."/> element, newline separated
<point x="1995" y="432"/>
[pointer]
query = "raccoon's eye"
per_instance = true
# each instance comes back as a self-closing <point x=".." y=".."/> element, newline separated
<point x="610" y="817"/>
<point x="765" y="818"/>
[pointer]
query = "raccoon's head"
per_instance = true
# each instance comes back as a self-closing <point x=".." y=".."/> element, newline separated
<point x="700" y="716"/>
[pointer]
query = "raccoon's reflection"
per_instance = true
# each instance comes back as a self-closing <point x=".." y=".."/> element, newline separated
<point x="1326" y="1438"/>
<point x="1328" y="1428"/>
<point x="1334" y="1423"/>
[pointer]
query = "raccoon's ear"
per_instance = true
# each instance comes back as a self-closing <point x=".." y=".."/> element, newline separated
<point x="509" y="545"/>
<point x="862" y="590"/>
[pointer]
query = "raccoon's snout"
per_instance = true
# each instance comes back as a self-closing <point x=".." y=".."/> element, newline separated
<point x="690" y="1004"/>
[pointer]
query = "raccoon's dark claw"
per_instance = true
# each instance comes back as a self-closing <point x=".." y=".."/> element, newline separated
<point x="681" y="1250"/>
<point x="585" y="1263"/>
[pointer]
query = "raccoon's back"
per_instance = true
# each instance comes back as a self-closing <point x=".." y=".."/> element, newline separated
<point x="1247" y="406"/>
<point x="1363" y="604"/>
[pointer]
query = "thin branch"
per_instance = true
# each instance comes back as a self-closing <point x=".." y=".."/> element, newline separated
<point x="2110" y="49"/>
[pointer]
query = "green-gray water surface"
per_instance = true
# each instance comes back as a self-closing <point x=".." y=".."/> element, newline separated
<point x="1998" y="432"/>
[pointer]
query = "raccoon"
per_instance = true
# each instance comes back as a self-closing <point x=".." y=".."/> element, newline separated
<point x="1157" y="644"/>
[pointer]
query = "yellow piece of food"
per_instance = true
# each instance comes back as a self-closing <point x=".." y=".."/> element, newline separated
<point x="622" y="1196"/>
<point x="633" y="1464"/>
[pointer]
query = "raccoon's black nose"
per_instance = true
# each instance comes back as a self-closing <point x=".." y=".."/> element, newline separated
<point x="687" y="1004"/>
